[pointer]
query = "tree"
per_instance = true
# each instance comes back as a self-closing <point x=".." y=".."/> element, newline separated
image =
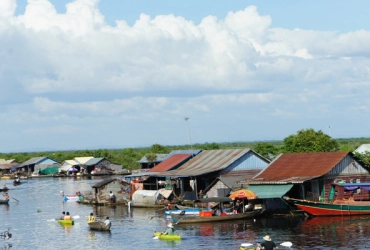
<point x="308" y="140"/>
<point x="365" y="157"/>
<point x="266" y="149"/>
<point x="159" y="149"/>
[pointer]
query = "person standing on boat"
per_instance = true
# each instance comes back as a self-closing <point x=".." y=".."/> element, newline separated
<point x="112" y="197"/>
<point x="268" y="244"/>
<point x="6" y="197"/>
<point x="90" y="218"/>
<point x="170" y="230"/>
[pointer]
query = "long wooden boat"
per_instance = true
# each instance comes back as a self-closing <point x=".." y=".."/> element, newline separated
<point x="4" y="189"/>
<point x="100" y="226"/>
<point x="187" y="219"/>
<point x="345" y="199"/>
<point x="4" y="201"/>
<point x="342" y="208"/>
<point x="167" y="236"/>
<point x="188" y="211"/>
<point x="66" y="222"/>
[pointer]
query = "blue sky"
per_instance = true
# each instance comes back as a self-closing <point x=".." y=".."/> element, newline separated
<point x="115" y="74"/>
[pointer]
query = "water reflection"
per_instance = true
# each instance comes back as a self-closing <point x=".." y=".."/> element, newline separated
<point x="33" y="224"/>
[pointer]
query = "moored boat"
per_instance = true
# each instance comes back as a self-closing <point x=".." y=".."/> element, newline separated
<point x="188" y="211"/>
<point x="187" y="219"/>
<point x="342" y="201"/>
<point x="4" y="189"/>
<point x="100" y="226"/>
<point x="66" y="222"/>
<point x="167" y="236"/>
<point x="4" y="201"/>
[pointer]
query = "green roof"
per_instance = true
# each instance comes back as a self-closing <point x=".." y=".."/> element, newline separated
<point x="270" y="191"/>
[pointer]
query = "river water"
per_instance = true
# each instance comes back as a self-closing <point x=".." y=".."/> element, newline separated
<point x="33" y="225"/>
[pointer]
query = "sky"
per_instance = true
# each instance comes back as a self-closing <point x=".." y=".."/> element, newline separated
<point x="90" y="74"/>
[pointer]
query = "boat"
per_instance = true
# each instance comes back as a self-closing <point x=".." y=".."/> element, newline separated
<point x="162" y="236"/>
<point x="343" y="201"/>
<point x="66" y="222"/>
<point x="182" y="219"/>
<point x="16" y="182"/>
<point x="72" y="197"/>
<point x="100" y="226"/>
<point x="4" y="189"/>
<point x="218" y="214"/>
<point x="4" y="201"/>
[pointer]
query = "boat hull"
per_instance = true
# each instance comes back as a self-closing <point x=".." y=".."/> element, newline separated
<point x="66" y="222"/>
<point x="193" y="211"/>
<point x="167" y="236"/>
<point x="5" y="202"/>
<point x="187" y="219"/>
<point x="343" y="208"/>
<point x="100" y="226"/>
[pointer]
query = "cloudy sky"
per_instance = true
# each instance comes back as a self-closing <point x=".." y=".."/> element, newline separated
<point x="89" y="74"/>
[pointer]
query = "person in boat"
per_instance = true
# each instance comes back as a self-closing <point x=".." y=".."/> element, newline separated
<point x="68" y="216"/>
<point x="107" y="222"/>
<point x="268" y="244"/>
<point x="169" y="206"/>
<point x="63" y="216"/>
<point x="170" y="230"/>
<point x="6" y="197"/>
<point x="5" y="187"/>
<point x="90" y="218"/>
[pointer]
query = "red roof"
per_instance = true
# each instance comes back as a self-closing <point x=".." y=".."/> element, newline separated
<point x="169" y="163"/>
<point x="300" y="166"/>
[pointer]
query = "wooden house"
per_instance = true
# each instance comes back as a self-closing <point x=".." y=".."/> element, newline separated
<point x="306" y="176"/>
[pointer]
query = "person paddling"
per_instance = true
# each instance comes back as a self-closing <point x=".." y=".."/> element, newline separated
<point x="268" y="244"/>
<point x="6" y="197"/>
<point x="63" y="215"/>
<point x="90" y="218"/>
<point x="170" y="230"/>
<point x="68" y="216"/>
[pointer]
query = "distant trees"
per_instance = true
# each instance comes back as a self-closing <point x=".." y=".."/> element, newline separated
<point x="309" y="140"/>
<point x="365" y="157"/>
<point x="267" y="150"/>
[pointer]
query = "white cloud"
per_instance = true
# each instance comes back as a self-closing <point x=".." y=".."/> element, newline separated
<point x="61" y="71"/>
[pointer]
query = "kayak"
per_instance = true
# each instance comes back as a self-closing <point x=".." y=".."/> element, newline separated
<point x="167" y="236"/>
<point x="247" y="246"/>
<point x="66" y="222"/>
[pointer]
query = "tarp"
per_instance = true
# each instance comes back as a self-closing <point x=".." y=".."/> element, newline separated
<point x="270" y="191"/>
<point x="165" y="192"/>
<point x="52" y="170"/>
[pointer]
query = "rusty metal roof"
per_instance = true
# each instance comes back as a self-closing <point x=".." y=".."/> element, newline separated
<point x="170" y="162"/>
<point x="206" y="162"/>
<point x="298" y="167"/>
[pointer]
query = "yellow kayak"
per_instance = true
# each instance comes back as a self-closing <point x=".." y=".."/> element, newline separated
<point x="66" y="222"/>
<point x="167" y="236"/>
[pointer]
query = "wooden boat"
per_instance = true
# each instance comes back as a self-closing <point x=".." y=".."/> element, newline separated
<point x="16" y="182"/>
<point x="4" y="201"/>
<point x="66" y="222"/>
<point x="167" y="236"/>
<point x="187" y="219"/>
<point x="342" y="201"/>
<point x="100" y="226"/>
<point x="187" y="211"/>
<point x="4" y="189"/>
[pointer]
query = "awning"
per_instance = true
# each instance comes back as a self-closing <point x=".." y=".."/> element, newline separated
<point x="270" y="191"/>
<point x="243" y="193"/>
<point x="165" y="192"/>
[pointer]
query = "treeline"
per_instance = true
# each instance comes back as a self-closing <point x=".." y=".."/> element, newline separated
<point x="307" y="140"/>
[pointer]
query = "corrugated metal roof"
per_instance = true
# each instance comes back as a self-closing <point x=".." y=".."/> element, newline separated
<point x="170" y="162"/>
<point x="298" y="167"/>
<point x="207" y="161"/>
<point x="93" y="161"/>
<point x="103" y="183"/>
<point x="160" y="157"/>
<point x="187" y="152"/>
<point x="31" y="161"/>
<point x="83" y="160"/>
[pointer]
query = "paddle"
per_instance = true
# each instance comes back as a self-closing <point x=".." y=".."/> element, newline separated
<point x="14" y="198"/>
<point x="285" y="244"/>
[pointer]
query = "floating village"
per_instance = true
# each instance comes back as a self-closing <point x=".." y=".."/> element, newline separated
<point x="196" y="186"/>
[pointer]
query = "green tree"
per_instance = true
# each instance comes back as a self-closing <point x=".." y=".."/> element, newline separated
<point x="365" y="157"/>
<point x="266" y="149"/>
<point x="159" y="149"/>
<point x="309" y="140"/>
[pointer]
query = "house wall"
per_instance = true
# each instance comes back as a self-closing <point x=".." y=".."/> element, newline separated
<point x="47" y="161"/>
<point x="347" y="166"/>
<point x="219" y="190"/>
<point x="103" y="163"/>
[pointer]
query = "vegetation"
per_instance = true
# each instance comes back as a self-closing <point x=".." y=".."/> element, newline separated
<point x="307" y="140"/>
